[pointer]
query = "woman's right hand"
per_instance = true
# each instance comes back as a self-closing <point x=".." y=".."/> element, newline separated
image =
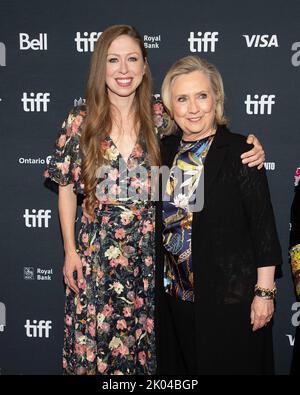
<point x="73" y="264"/>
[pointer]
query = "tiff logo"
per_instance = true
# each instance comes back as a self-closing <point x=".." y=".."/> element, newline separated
<point x="37" y="44"/>
<point x="2" y="55"/>
<point x="296" y="56"/>
<point x="40" y="220"/>
<point x="2" y="317"/>
<point x="38" y="329"/>
<point x="204" y="43"/>
<point x="264" y="40"/>
<point x="35" y="101"/>
<point x="87" y="42"/>
<point x="259" y="105"/>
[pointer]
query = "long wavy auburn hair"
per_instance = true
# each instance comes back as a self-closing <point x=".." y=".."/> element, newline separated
<point x="98" y="121"/>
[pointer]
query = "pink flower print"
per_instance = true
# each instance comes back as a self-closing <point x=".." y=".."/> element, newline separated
<point x="136" y="271"/>
<point x="149" y="325"/>
<point x="148" y="261"/>
<point x="138" y="333"/>
<point x="113" y="174"/>
<point x="85" y="238"/>
<point x="138" y="302"/>
<point x="80" y="349"/>
<point x="137" y="151"/>
<point x="146" y="284"/>
<point x="65" y="363"/>
<point x="104" y="145"/>
<point x="105" y="219"/>
<point x="91" y="309"/>
<point x="120" y="234"/>
<point x="158" y="120"/>
<point x="102" y="366"/>
<point x="123" y="261"/>
<point x="147" y="227"/>
<point x="127" y="311"/>
<point x="297" y="176"/>
<point x="61" y="141"/>
<point x="76" y="173"/>
<point x="90" y="355"/>
<point x="158" y="108"/>
<point x="107" y="310"/>
<point x="121" y="324"/>
<point x="65" y="166"/>
<point x="105" y="326"/>
<point x="100" y="274"/>
<point x="68" y="320"/>
<point x="78" y="307"/>
<point x="142" y="357"/>
<point x="123" y="350"/>
<point x="92" y="329"/>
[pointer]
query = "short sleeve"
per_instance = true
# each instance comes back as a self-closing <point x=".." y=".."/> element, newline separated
<point x="65" y="162"/>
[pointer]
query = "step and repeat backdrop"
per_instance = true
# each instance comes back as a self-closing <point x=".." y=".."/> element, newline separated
<point x="45" y="50"/>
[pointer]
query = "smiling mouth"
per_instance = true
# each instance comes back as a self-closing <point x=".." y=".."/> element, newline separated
<point x="194" y="119"/>
<point x="124" y="82"/>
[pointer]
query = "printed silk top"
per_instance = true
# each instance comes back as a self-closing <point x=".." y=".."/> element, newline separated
<point x="295" y="248"/>
<point x="180" y="200"/>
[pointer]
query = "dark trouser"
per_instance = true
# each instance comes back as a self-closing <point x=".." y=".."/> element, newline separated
<point x="179" y="348"/>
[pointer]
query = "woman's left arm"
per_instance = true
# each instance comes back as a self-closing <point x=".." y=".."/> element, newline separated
<point x="256" y="156"/>
<point x="257" y="203"/>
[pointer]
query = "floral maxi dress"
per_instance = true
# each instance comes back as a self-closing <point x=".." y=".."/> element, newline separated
<point x="109" y="326"/>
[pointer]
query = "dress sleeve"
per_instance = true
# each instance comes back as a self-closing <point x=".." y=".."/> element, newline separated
<point x="65" y="162"/>
<point x="295" y="235"/>
<point x="258" y="207"/>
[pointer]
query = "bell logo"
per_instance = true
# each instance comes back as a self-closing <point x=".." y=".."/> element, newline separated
<point x="37" y="218"/>
<point x="2" y="317"/>
<point x="2" y="55"/>
<point x="38" y="329"/>
<point x="38" y="44"/>
<point x="203" y="43"/>
<point x="87" y="42"/>
<point x="257" y="105"/>
<point x="261" y="41"/>
<point x="296" y="56"/>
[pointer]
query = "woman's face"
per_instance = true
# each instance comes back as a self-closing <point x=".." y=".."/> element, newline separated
<point x="125" y="67"/>
<point x="193" y="103"/>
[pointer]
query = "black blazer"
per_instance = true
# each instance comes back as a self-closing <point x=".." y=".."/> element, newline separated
<point x="232" y="236"/>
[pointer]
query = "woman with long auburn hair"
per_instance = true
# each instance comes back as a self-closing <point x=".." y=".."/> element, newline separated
<point x="104" y="153"/>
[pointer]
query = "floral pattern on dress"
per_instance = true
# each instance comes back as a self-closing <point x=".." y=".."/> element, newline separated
<point x="109" y="326"/>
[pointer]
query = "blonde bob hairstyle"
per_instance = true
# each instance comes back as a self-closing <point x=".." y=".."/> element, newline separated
<point x="188" y="65"/>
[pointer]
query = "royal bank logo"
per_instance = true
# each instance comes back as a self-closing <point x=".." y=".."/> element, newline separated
<point x="296" y="56"/>
<point x="203" y="42"/>
<point x="259" y="104"/>
<point x="152" y="42"/>
<point x="2" y="55"/>
<point x="37" y="218"/>
<point x="261" y="40"/>
<point x="36" y="102"/>
<point x="38" y="328"/>
<point x="85" y="42"/>
<point x="36" y="44"/>
<point x="39" y="274"/>
<point x="28" y="273"/>
<point x="2" y="317"/>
